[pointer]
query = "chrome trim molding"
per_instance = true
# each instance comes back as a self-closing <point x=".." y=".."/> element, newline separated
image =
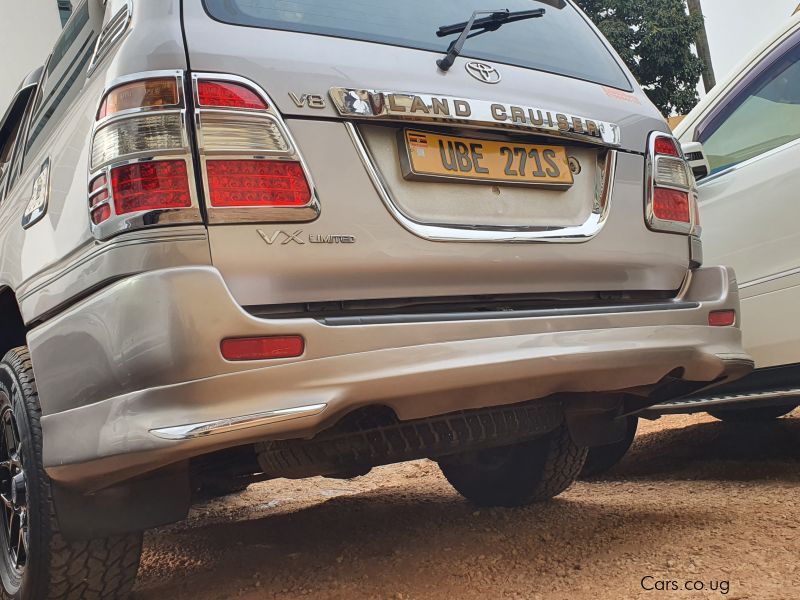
<point x="727" y="399"/>
<point x="450" y="233"/>
<point x="769" y="278"/>
<point x="111" y="33"/>
<point x="40" y="197"/>
<point x="196" y="430"/>
<point x="404" y="106"/>
<point x="714" y="176"/>
<point x="63" y="269"/>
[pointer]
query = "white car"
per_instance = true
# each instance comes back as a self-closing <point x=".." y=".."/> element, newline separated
<point x="743" y="142"/>
<point x="749" y="128"/>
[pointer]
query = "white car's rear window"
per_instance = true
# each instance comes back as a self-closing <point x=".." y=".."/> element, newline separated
<point x="561" y="42"/>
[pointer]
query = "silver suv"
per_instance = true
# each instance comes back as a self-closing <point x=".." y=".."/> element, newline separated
<point x="248" y="239"/>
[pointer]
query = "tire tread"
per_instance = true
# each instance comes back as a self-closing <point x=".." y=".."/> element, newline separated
<point x="85" y="570"/>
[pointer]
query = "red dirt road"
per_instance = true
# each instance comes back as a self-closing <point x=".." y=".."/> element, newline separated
<point x="696" y="502"/>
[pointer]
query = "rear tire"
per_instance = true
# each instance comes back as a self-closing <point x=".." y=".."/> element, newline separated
<point x="517" y="475"/>
<point x="758" y="414"/>
<point x="602" y="458"/>
<point x="35" y="560"/>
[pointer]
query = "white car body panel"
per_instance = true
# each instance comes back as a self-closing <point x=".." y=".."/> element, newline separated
<point x="749" y="216"/>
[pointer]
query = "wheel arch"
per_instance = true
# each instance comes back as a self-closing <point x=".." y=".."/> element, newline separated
<point x="13" y="331"/>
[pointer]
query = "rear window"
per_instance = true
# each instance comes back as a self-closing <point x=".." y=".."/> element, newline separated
<point x="561" y="42"/>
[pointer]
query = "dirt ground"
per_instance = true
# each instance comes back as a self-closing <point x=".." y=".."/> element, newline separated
<point x="696" y="502"/>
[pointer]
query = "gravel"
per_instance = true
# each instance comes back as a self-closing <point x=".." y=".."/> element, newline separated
<point x="695" y="502"/>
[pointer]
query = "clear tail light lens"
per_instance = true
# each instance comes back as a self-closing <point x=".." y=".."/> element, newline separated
<point x="240" y="134"/>
<point x="252" y="169"/>
<point x="671" y="172"/>
<point x="136" y="136"/>
<point x="670" y="194"/>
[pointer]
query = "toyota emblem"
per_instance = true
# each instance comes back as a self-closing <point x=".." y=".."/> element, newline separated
<point x="483" y="72"/>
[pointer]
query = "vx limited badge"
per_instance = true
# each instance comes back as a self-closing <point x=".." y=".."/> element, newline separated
<point x="297" y="237"/>
<point x="284" y="236"/>
<point x="483" y="72"/>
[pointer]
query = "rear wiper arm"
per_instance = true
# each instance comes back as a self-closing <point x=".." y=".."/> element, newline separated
<point x="495" y="20"/>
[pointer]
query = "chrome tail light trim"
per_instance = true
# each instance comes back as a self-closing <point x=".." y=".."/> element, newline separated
<point x="269" y="118"/>
<point x="650" y="184"/>
<point x="117" y="224"/>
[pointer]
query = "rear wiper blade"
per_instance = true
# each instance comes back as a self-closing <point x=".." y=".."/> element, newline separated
<point x="495" y="20"/>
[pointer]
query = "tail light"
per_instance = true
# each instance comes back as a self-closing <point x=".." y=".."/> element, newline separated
<point x="252" y="169"/>
<point x="141" y="172"/>
<point x="670" y="192"/>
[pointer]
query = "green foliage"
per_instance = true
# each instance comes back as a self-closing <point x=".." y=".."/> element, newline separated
<point x="654" y="38"/>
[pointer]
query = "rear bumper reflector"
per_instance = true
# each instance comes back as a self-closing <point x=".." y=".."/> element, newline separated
<point x="262" y="348"/>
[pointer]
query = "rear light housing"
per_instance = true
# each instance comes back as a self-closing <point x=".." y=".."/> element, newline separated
<point x="252" y="170"/>
<point x="670" y="190"/>
<point x="141" y="172"/>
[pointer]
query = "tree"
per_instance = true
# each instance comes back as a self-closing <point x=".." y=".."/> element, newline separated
<point x="654" y="38"/>
<point x="703" y="51"/>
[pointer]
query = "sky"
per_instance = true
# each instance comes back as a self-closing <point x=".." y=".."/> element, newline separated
<point x="736" y="27"/>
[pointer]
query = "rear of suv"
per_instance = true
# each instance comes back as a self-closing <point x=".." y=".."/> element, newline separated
<point x="254" y="239"/>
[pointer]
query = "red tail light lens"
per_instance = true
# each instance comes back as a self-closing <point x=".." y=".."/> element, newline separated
<point x="666" y="146"/>
<point x="98" y="198"/>
<point x="257" y="183"/>
<point x="262" y="348"/>
<point x="671" y="205"/>
<point x="101" y="214"/>
<point x="97" y="183"/>
<point x="150" y="186"/>
<point x="224" y="94"/>
<point x="722" y="318"/>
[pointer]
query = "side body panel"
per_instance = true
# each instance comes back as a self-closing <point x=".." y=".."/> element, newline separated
<point x="33" y="261"/>
<point x="750" y="222"/>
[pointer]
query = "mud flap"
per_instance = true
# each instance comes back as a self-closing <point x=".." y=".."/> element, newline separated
<point x="137" y="505"/>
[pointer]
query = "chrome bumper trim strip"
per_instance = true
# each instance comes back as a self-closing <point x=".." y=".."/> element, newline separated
<point x="196" y="430"/>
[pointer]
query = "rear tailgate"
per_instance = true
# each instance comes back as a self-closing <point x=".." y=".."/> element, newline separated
<point x="389" y="229"/>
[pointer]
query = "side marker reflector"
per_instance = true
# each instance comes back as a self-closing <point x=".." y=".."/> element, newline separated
<point x="722" y="318"/>
<point x="262" y="348"/>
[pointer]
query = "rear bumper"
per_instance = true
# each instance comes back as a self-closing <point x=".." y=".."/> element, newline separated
<point x="132" y="379"/>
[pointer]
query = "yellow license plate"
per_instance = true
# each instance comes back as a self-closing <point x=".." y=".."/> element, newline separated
<point x="428" y="155"/>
